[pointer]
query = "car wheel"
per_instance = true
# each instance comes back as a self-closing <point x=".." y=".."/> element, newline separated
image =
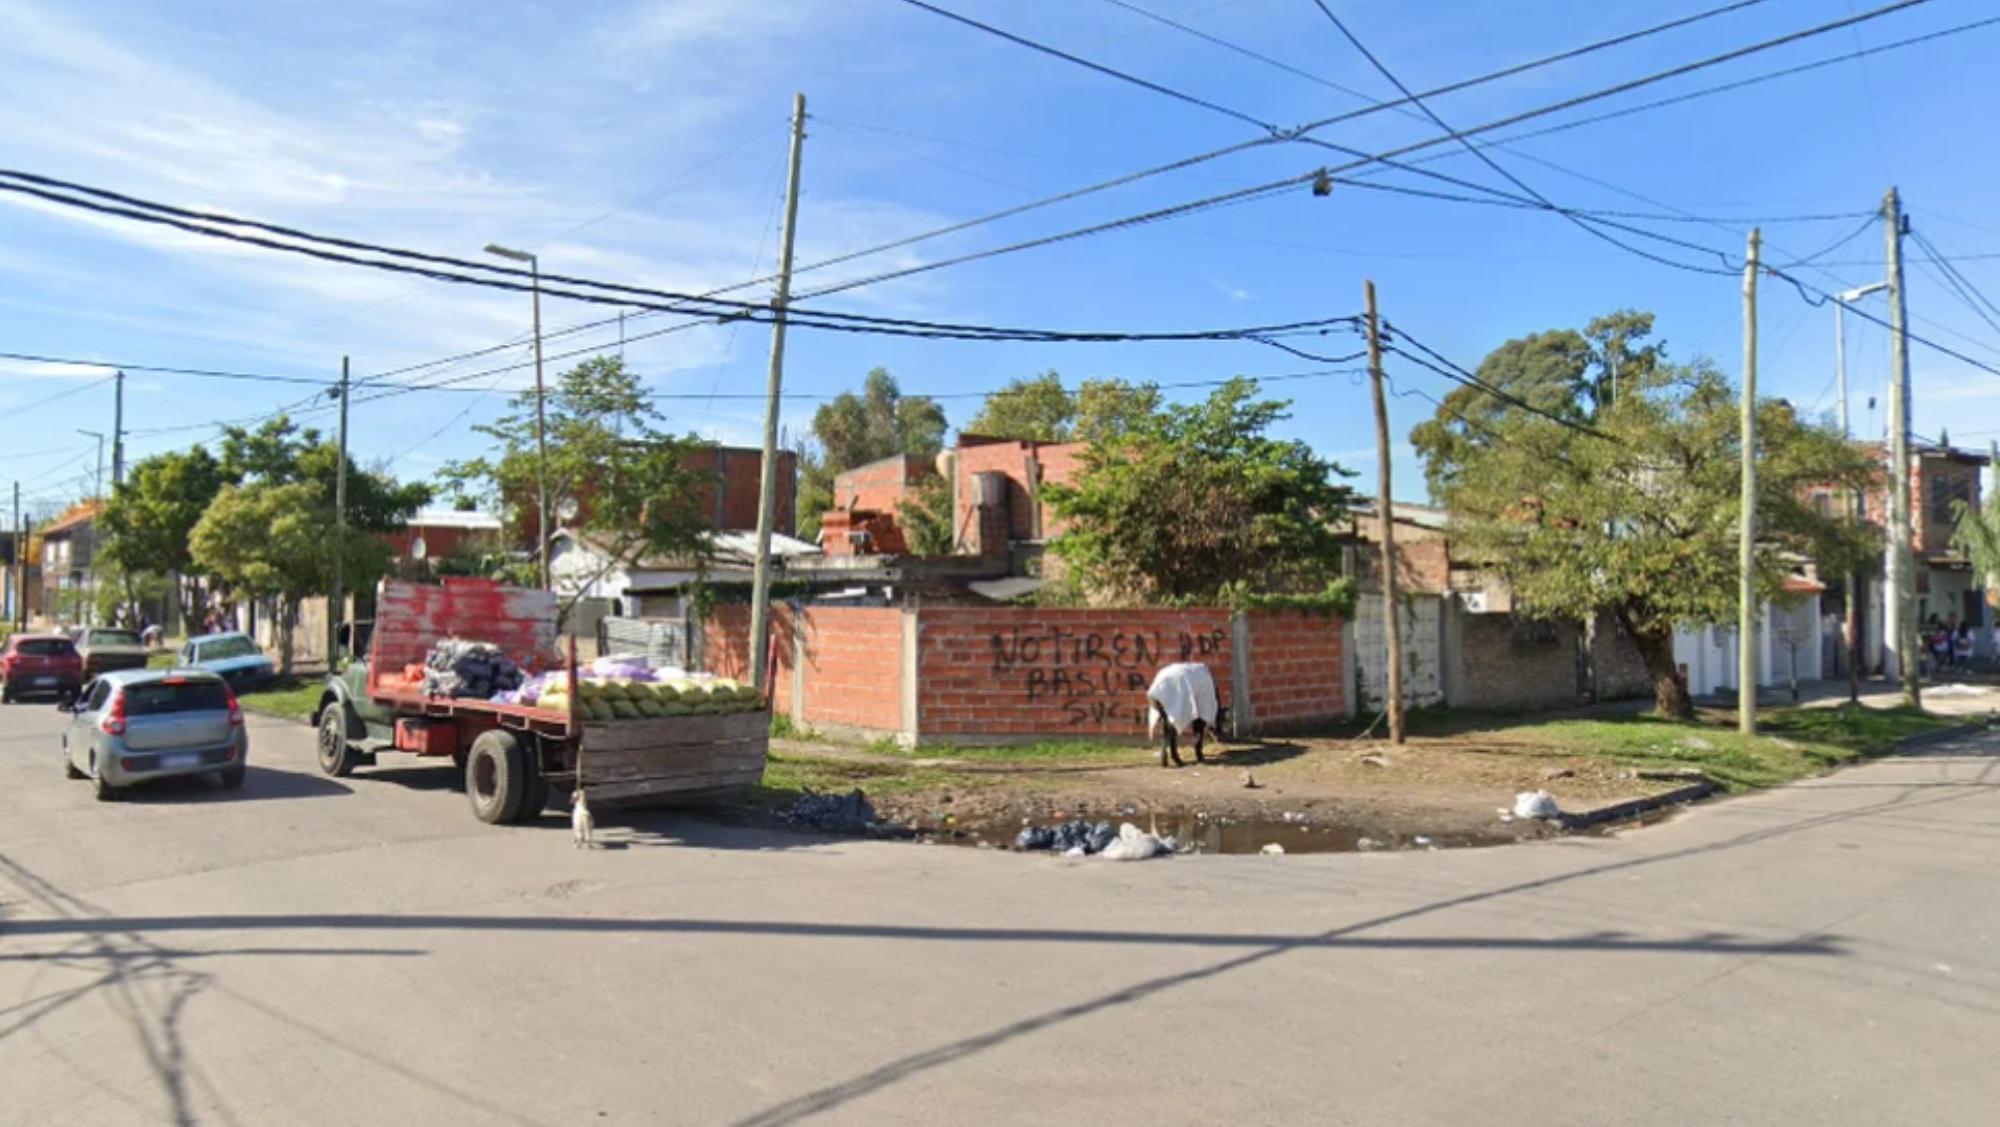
<point x="496" y="777"/>
<point x="336" y="756"/>
<point x="105" y="791"/>
<point x="6" y="695"/>
<point x="69" y="767"/>
<point x="232" y="777"/>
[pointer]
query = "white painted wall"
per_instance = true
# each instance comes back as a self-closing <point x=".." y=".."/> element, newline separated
<point x="1423" y="640"/>
<point x="1708" y="653"/>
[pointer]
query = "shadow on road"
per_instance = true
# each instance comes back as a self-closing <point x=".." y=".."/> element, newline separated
<point x="260" y="784"/>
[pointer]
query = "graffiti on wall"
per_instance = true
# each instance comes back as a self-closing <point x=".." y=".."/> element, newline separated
<point x="1094" y="677"/>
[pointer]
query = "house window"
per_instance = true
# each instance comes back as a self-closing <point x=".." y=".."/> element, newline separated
<point x="1822" y="503"/>
<point x="1946" y="491"/>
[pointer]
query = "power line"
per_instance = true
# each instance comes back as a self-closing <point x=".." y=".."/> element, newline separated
<point x="1200" y="158"/>
<point x="59" y="396"/>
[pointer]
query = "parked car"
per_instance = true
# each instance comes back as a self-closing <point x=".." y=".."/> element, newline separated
<point x="108" y="651"/>
<point x="232" y="657"/>
<point x="138" y="725"/>
<point x="39" y="664"/>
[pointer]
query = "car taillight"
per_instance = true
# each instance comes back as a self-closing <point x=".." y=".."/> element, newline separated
<point x="235" y="710"/>
<point x="114" y="720"/>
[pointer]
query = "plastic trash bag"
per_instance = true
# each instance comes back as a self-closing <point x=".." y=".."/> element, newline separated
<point x="1134" y="844"/>
<point x="1536" y="804"/>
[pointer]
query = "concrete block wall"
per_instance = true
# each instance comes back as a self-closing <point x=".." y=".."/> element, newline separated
<point x="1423" y="650"/>
<point x="1507" y="662"/>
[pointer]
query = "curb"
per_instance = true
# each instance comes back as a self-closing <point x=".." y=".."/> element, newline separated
<point x="1704" y="786"/>
<point x="1626" y="811"/>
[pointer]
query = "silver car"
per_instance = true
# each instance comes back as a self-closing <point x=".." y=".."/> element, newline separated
<point x="133" y="726"/>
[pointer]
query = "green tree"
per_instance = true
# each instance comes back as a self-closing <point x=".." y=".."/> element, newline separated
<point x="1642" y="523"/>
<point x="1188" y="501"/>
<point x="614" y="474"/>
<point x="1036" y="409"/>
<point x="1107" y="409"/>
<point x="927" y="518"/>
<point x="854" y="430"/>
<point x="146" y="524"/>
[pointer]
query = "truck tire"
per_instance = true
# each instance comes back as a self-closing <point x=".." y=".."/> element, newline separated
<point x="534" y="794"/>
<point x="336" y="756"/>
<point x="496" y="777"/>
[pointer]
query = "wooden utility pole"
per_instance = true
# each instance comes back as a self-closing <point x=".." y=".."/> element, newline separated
<point x="336" y="608"/>
<point x="767" y="492"/>
<point x="21" y="564"/>
<point x="1392" y="631"/>
<point x="117" y="430"/>
<point x="1901" y="604"/>
<point x="1746" y="590"/>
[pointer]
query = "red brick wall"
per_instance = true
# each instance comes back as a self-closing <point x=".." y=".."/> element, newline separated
<point x="738" y="473"/>
<point x="726" y="652"/>
<point x="1023" y="671"/>
<point x="1295" y="669"/>
<point x="1058" y="462"/>
<point x="879" y="486"/>
<point x="854" y="667"/>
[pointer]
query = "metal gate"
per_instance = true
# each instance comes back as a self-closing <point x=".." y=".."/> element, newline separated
<point x="662" y="641"/>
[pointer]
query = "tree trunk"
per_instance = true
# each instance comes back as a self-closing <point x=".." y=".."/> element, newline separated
<point x="1656" y="647"/>
<point x="287" y="617"/>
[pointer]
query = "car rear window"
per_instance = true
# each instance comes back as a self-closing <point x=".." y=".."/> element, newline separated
<point x="223" y="649"/>
<point x="156" y="698"/>
<point x="44" y="647"/>
<point x="113" y="638"/>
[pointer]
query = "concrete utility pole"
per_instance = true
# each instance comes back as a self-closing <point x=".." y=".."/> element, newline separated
<point x="1901" y="605"/>
<point x="1391" y="614"/>
<point x="1746" y="590"/>
<point x="336" y="608"/>
<point x="117" y="430"/>
<point x="541" y="396"/>
<point x="767" y="489"/>
<point x="20" y="608"/>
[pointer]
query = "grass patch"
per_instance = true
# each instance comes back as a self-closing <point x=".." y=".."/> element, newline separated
<point x="783" y="727"/>
<point x="1791" y="744"/>
<point x="166" y="659"/>
<point x="290" y="700"/>
<point x="788" y="776"/>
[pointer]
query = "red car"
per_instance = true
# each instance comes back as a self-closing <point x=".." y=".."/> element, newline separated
<point x="45" y="664"/>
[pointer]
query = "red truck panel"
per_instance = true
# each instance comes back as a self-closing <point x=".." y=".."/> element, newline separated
<point x="410" y="618"/>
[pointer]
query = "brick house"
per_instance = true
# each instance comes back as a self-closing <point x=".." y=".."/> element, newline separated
<point x="732" y="480"/>
<point x="998" y="510"/>
<point x="68" y="544"/>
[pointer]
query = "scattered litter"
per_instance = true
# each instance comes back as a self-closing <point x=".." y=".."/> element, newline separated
<point x="1134" y="844"/>
<point x="1422" y="840"/>
<point x="1272" y="849"/>
<point x="1066" y="836"/>
<point x="1367" y="844"/>
<point x="1559" y="773"/>
<point x="1130" y="810"/>
<point x="1249" y="781"/>
<point x="1536" y="804"/>
<point x="1076" y="851"/>
<point x="834" y="813"/>
<point x="1295" y="818"/>
<point x="1955" y="690"/>
<point x="1374" y="759"/>
<point x="1505" y="818"/>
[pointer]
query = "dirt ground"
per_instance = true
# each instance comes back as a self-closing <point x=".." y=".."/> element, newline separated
<point x="1445" y="790"/>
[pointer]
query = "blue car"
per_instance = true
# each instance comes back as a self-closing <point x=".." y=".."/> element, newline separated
<point x="233" y="657"/>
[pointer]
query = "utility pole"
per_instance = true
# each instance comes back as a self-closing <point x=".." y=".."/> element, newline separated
<point x="1392" y="630"/>
<point x="1901" y="603"/>
<point x="118" y="430"/>
<point x="1746" y="590"/>
<point x="20" y="607"/>
<point x="336" y="609"/>
<point x="767" y="490"/>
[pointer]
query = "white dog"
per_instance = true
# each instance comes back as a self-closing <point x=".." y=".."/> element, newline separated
<point x="582" y="826"/>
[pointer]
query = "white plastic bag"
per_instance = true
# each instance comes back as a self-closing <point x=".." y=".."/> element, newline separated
<point x="1134" y="844"/>
<point x="1536" y="804"/>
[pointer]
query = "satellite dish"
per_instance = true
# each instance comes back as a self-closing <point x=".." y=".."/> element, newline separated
<point x="419" y="549"/>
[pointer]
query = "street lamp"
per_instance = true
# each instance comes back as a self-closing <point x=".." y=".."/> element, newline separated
<point x="1852" y="591"/>
<point x="97" y="493"/>
<point x="1840" y="340"/>
<point x="541" y="443"/>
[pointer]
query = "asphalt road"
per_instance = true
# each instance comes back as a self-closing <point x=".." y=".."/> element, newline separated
<point x="316" y="951"/>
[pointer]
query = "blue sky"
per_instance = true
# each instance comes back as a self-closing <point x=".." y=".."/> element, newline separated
<point x="644" y="142"/>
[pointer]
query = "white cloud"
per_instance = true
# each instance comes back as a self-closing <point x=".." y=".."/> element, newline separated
<point x="36" y="370"/>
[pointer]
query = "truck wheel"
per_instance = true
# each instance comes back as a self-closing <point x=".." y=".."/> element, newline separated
<point x="496" y="777"/>
<point x="336" y="755"/>
<point x="534" y="794"/>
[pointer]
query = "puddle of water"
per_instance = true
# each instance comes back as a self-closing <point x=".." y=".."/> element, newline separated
<point x="1201" y="833"/>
